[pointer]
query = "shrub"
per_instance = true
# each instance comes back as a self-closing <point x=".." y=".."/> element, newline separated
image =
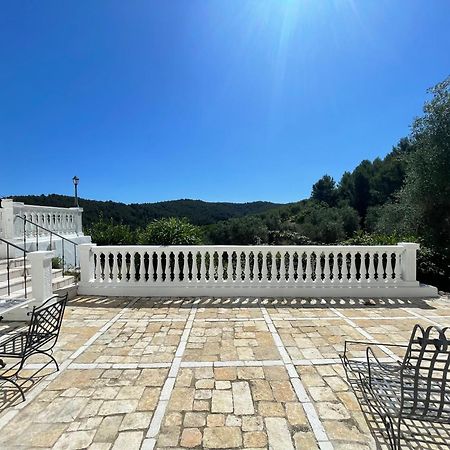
<point x="170" y="231"/>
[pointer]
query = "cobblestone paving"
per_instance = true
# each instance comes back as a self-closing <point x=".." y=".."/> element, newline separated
<point x="206" y="373"/>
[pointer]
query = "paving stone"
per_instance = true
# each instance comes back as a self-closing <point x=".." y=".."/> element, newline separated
<point x="225" y="373"/>
<point x="252" y="423"/>
<point x="332" y="411"/>
<point x="215" y="420"/>
<point x="233" y="421"/>
<point x="169" y="436"/>
<point x="191" y="437"/>
<point x="242" y="398"/>
<point x="295" y="414"/>
<point x="173" y="418"/>
<point x="136" y="421"/>
<point x="129" y="440"/>
<point x="270" y="409"/>
<point x="283" y="391"/>
<point x="222" y="402"/>
<point x="182" y="399"/>
<point x="108" y="429"/>
<point x="305" y="440"/>
<point x="110" y="407"/>
<point x="255" y="439"/>
<point x="278" y="434"/>
<point x="261" y="390"/>
<point x="75" y="440"/>
<point x="223" y="385"/>
<point x="222" y="437"/>
<point x="206" y="383"/>
<point x="194" y="419"/>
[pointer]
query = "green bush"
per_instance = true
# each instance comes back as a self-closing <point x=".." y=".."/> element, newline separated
<point x="106" y="232"/>
<point x="170" y="231"/>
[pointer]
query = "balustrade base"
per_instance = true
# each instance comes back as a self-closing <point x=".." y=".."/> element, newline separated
<point x="193" y="289"/>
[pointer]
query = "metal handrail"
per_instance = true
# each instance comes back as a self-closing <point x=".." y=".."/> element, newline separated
<point x="10" y="244"/>
<point x="51" y="233"/>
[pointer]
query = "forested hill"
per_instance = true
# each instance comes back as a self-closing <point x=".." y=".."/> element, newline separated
<point x="139" y="214"/>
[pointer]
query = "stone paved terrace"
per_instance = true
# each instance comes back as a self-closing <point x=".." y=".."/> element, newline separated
<point x="207" y="373"/>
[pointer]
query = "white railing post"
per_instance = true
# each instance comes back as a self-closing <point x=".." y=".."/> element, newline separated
<point x="86" y="262"/>
<point x="408" y="261"/>
<point x="41" y="275"/>
<point x="7" y="217"/>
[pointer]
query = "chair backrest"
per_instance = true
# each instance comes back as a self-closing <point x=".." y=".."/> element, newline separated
<point x="46" y="322"/>
<point x="425" y="374"/>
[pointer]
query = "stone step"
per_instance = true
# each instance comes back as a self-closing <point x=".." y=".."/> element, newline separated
<point x="13" y="262"/>
<point x="59" y="284"/>
<point x="14" y="272"/>
<point x="18" y="283"/>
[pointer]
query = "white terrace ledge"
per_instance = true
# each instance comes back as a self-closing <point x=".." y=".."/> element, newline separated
<point x="299" y="271"/>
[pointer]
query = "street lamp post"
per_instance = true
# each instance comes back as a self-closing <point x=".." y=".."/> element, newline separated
<point x="76" y="180"/>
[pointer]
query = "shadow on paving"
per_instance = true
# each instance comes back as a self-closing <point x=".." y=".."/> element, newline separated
<point x="250" y="302"/>
<point x="28" y="379"/>
<point x="415" y="434"/>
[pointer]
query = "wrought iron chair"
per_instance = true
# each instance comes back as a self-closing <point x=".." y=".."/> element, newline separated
<point x="415" y="388"/>
<point x="40" y="338"/>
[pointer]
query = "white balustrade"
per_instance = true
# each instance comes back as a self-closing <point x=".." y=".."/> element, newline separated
<point x="250" y="270"/>
<point x="63" y="221"/>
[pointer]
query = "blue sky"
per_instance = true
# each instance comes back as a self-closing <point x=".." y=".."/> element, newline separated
<point x="220" y="100"/>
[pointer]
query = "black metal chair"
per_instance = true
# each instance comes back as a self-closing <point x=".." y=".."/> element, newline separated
<point x="40" y="338"/>
<point x="416" y="387"/>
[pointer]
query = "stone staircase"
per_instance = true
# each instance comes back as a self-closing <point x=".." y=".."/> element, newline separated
<point x="17" y="269"/>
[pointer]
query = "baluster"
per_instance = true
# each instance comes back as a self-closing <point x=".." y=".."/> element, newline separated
<point x="395" y="263"/>
<point x="132" y="269"/>
<point x="371" y="268"/>
<point x="335" y="267"/>
<point x="141" y="267"/>
<point x="230" y="266"/>
<point x="274" y="268"/>
<point x="308" y="271"/>
<point x="219" y="266"/>
<point x="264" y="270"/>
<point x="326" y="268"/>
<point x="353" y="267"/>
<point x="159" y="271"/>
<point x="255" y="269"/>
<point x="282" y="269"/>
<point x="246" y="266"/>
<point x="289" y="275"/>
<point x="202" y="266"/>
<point x="98" y="267"/>
<point x="176" y="266"/>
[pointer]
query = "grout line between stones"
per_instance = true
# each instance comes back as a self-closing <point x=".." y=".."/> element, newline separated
<point x="303" y="397"/>
<point x="149" y="441"/>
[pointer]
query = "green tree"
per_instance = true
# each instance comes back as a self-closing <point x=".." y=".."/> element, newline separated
<point x="106" y="232"/>
<point x="170" y="231"/>
<point x="325" y="191"/>
<point x="427" y="186"/>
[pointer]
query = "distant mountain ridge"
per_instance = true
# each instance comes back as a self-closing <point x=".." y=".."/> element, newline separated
<point x="136" y="215"/>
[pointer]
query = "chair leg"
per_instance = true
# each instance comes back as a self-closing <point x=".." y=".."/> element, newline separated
<point x="15" y="384"/>
<point x="50" y="356"/>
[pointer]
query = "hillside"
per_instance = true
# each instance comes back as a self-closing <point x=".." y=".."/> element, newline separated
<point x="139" y="214"/>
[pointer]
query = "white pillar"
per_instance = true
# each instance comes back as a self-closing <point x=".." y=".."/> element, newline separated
<point x="86" y="262"/>
<point x="7" y="225"/>
<point x="408" y="261"/>
<point x="41" y="275"/>
<point x="78" y="219"/>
